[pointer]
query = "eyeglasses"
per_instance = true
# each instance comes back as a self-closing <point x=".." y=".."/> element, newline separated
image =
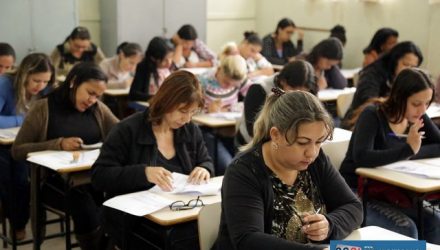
<point x="181" y="205"/>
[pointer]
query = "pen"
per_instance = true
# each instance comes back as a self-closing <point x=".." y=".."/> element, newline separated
<point x="317" y="211"/>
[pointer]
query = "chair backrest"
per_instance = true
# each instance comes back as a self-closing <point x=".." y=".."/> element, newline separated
<point x="343" y="102"/>
<point x="209" y="221"/>
<point x="336" y="152"/>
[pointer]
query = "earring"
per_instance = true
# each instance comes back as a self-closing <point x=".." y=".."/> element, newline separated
<point x="275" y="146"/>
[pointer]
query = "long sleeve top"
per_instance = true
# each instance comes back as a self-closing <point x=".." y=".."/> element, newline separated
<point x="64" y="61"/>
<point x="373" y="144"/>
<point x="131" y="146"/>
<point x="248" y="200"/>
<point x="374" y="81"/>
<point x="334" y="78"/>
<point x="8" y="115"/>
<point x="253" y="103"/>
<point x="270" y="51"/>
<point x="117" y="79"/>
<point x="32" y="136"/>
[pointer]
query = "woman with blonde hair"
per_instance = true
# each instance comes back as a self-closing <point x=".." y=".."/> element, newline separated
<point x="17" y="91"/>
<point x="222" y="88"/>
<point x="280" y="192"/>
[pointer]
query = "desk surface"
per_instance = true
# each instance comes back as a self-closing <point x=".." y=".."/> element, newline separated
<point x="166" y="217"/>
<point x="349" y="73"/>
<point x="434" y="110"/>
<point x="375" y="233"/>
<point x="327" y="95"/>
<point x="9" y="135"/>
<point x="117" y="92"/>
<point x="408" y="181"/>
<point x="214" y="122"/>
<point x="73" y="169"/>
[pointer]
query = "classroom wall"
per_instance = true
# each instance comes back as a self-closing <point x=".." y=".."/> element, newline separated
<point x="90" y="17"/>
<point x="414" y="19"/>
<point x="227" y="20"/>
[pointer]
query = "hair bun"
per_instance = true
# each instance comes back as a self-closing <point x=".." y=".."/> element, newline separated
<point x="278" y="92"/>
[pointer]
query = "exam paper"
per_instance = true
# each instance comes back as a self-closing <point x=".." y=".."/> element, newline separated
<point x="181" y="185"/>
<point x="57" y="160"/>
<point x="139" y="203"/>
<point x="414" y="167"/>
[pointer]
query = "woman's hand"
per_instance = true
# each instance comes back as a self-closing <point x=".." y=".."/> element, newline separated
<point x="160" y="176"/>
<point x="315" y="226"/>
<point x="414" y="136"/>
<point x="215" y="106"/>
<point x="71" y="143"/>
<point x="198" y="175"/>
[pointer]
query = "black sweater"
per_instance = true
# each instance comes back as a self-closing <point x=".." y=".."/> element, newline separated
<point x="131" y="146"/>
<point x="270" y="51"/>
<point x="247" y="204"/>
<point x="374" y="144"/>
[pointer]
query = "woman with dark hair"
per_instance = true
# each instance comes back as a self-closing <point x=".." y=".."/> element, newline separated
<point x="296" y="75"/>
<point x="325" y="57"/>
<point x="250" y="49"/>
<point x="77" y="47"/>
<point x="144" y="149"/>
<point x="383" y="41"/>
<point x="190" y="51"/>
<point x="18" y="90"/>
<point x="282" y="192"/>
<point x="377" y="140"/>
<point x="68" y="118"/>
<point x="152" y="70"/>
<point x="375" y="80"/>
<point x="277" y="47"/>
<point x="7" y="58"/>
<point x="121" y="67"/>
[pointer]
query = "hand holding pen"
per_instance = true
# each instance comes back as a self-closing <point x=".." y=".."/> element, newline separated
<point x="415" y="136"/>
<point x="315" y="226"/>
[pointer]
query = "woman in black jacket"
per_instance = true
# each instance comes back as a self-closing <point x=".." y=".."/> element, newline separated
<point x="143" y="150"/>
<point x="282" y="192"/>
<point x="375" y="80"/>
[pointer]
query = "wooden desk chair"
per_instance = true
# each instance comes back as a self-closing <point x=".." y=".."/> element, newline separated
<point x="343" y="102"/>
<point x="209" y="221"/>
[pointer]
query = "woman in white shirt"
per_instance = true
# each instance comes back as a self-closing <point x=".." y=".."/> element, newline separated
<point x="121" y="67"/>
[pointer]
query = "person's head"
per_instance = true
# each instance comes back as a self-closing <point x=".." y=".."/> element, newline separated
<point x="33" y="74"/>
<point x="251" y="45"/>
<point x="339" y="32"/>
<point x="84" y="85"/>
<point x="188" y="34"/>
<point x="383" y="41"/>
<point x="130" y="54"/>
<point x="229" y="49"/>
<point x="297" y="75"/>
<point x="159" y="53"/>
<point x="7" y="57"/>
<point x="403" y="55"/>
<point x="177" y="100"/>
<point x="295" y="123"/>
<point x="79" y="41"/>
<point x="326" y="54"/>
<point x="411" y="94"/>
<point x="285" y="29"/>
<point x="232" y="71"/>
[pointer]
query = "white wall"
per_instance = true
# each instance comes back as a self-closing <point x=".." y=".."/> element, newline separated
<point x="414" y="19"/>
<point x="227" y="21"/>
<point x="90" y="17"/>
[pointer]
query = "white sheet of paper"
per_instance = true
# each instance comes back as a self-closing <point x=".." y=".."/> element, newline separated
<point x="181" y="185"/>
<point x="91" y="146"/>
<point x="227" y="115"/>
<point x="139" y="203"/>
<point x="414" y="167"/>
<point x="9" y="133"/>
<point x="63" y="159"/>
